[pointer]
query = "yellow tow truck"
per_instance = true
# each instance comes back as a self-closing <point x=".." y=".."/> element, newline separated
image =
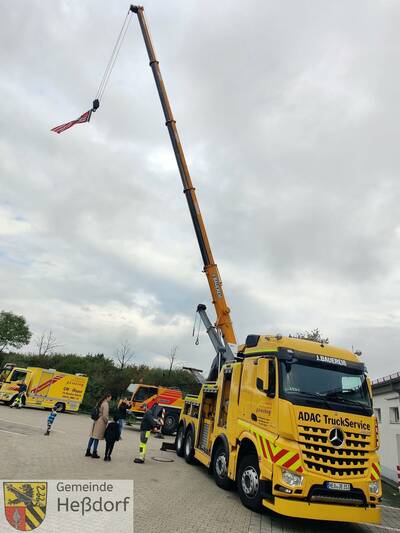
<point x="45" y="388"/>
<point x="288" y="421"/>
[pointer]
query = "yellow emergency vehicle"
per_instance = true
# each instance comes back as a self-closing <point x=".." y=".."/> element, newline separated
<point x="289" y="421"/>
<point x="46" y="388"/>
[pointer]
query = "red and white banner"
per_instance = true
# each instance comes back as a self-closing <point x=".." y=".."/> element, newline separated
<point x="83" y="118"/>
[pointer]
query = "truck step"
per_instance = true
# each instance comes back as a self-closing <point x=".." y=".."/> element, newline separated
<point x="168" y="447"/>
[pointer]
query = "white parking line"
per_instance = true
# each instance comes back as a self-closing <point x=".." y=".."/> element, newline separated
<point x="388" y="507"/>
<point x="29" y="425"/>
<point x="12" y="432"/>
<point x="385" y="527"/>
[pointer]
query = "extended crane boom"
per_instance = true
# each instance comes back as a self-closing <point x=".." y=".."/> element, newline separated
<point x="223" y="322"/>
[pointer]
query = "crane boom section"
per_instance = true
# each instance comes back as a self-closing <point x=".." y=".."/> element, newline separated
<point x="224" y="322"/>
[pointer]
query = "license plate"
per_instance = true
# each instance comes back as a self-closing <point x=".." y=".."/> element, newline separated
<point x="338" y="486"/>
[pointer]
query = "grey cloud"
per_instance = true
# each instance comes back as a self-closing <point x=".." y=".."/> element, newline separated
<point x="289" y="116"/>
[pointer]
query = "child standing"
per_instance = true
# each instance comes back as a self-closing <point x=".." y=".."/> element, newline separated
<point x="51" y="418"/>
<point x="112" y="435"/>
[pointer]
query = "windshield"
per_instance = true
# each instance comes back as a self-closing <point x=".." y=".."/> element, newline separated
<point x="18" y="375"/>
<point x="302" y="380"/>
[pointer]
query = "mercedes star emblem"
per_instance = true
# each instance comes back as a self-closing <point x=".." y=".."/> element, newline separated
<point x="336" y="436"/>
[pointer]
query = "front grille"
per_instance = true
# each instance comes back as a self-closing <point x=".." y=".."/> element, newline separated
<point x="353" y="497"/>
<point x="350" y="460"/>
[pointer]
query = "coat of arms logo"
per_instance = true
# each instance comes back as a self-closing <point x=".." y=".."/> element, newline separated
<point x="25" y="504"/>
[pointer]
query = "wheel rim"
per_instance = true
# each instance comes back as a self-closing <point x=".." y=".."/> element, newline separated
<point x="250" y="482"/>
<point x="180" y="439"/>
<point x="188" y="444"/>
<point x="220" y="465"/>
<point x="169" y="422"/>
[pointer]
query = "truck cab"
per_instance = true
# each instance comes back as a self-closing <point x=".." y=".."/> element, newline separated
<point x="6" y="371"/>
<point x="290" y="421"/>
<point x="142" y="395"/>
<point x="10" y="379"/>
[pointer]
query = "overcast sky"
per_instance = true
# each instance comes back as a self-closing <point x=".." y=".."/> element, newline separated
<point x="289" y="115"/>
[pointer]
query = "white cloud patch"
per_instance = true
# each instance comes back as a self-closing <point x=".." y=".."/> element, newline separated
<point x="291" y="134"/>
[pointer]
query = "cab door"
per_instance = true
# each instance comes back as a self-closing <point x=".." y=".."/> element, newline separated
<point x="258" y="406"/>
<point x="18" y="375"/>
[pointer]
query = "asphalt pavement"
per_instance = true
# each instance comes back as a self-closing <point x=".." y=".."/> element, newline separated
<point x="182" y="498"/>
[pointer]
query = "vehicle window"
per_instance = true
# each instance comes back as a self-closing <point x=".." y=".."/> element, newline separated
<point x="18" y="375"/>
<point x="272" y="379"/>
<point x="304" y="378"/>
<point x="351" y="383"/>
<point x="144" y="393"/>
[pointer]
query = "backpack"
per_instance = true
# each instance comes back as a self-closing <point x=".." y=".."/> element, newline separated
<point x="95" y="414"/>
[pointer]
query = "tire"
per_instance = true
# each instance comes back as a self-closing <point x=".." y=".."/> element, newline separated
<point x="180" y="441"/>
<point x="170" y="424"/>
<point x="188" y="450"/>
<point x="220" y="468"/>
<point x="248" y="483"/>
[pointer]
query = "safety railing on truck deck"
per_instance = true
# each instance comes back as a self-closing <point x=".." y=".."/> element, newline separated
<point x="386" y="379"/>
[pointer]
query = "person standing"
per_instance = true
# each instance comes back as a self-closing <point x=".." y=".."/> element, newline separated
<point x="22" y="388"/>
<point x="149" y="422"/>
<point x="102" y="410"/>
<point x="112" y="435"/>
<point x="51" y="418"/>
<point x="122" y="409"/>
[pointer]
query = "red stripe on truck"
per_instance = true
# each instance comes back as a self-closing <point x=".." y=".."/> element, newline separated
<point x="47" y="383"/>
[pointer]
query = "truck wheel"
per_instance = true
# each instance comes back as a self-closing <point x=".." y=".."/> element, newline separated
<point x="170" y="424"/>
<point x="60" y="405"/>
<point x="248" y="482"/>
<point x="188" y="451"/>
<point x="220" y="468"/>
<point x="180" y="440"/>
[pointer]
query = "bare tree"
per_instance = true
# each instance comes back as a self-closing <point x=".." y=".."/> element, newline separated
<point x="172" y="358"/>
<point x="46" y="343"/>
<point x="124" y="354"/>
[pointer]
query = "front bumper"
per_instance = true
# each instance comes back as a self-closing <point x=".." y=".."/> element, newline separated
<point x="322" y="511"/>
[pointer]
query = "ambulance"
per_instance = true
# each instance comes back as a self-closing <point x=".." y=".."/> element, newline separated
<point x="46" y="388"/>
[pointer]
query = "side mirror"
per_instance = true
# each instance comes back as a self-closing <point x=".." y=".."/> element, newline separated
<point x="262" y="380"/>
<point x="369" y="386"/>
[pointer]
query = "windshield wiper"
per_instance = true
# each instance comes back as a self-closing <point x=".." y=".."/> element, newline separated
<point x="313" y="395"/>
<point x="338" y="396"/>
<point x="310" y="394"/>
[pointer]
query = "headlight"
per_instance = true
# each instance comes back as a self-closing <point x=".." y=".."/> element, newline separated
<point x="374" y="487"/>
<point x="292" y="479"/>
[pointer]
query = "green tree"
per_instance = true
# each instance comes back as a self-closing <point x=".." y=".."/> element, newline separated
<point x="14" y="331"/>
<point x="314" y="335"/>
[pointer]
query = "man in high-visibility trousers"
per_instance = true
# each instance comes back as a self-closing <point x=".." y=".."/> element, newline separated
<point x="18" y="402"/>
<point x="149" y="422"/>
